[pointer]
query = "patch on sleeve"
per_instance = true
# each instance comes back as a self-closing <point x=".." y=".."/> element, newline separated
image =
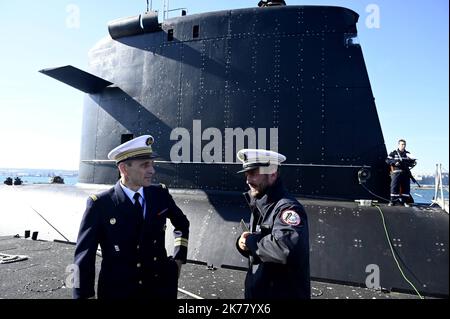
<point x="290" y="217"/>
<point x="93" y="197"/>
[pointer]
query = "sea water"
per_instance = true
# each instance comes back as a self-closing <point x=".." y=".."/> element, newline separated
<point x="68" y="180"/>
<point x="426" y="194"/>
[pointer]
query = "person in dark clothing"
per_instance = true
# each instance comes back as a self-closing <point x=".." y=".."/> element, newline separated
<point x="129" y="223"/>
<point x="400" y="162"/>
<point x="277" y="243"/>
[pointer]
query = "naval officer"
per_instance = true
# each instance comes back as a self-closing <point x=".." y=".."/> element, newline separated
<point x="129" y="223"/>
<point x="277" y="243"/>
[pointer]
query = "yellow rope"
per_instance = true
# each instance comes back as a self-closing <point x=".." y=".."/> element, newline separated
<point x="393" y="254"/>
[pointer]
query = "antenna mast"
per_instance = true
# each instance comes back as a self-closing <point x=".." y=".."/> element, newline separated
<point x="165" y="9"/>
<point x="149" y="7"/>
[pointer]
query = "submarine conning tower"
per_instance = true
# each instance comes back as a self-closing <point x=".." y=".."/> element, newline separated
<point x="293" y="69"/>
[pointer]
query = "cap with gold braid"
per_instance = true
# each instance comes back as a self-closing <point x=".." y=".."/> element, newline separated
<point x="137" y="148"/>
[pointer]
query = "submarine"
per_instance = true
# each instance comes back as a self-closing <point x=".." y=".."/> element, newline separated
<point x="287" y="78"/>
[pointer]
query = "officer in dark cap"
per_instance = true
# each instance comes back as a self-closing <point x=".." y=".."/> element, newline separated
<point x="129" y="223"/>
<point x="276" y="243"/>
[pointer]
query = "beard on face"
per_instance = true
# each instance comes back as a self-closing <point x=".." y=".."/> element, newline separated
<point x="259" y="190"/>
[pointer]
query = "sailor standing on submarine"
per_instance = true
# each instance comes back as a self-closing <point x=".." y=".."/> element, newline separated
<point x="129" y="223"/>
<point x="401" y="162"/>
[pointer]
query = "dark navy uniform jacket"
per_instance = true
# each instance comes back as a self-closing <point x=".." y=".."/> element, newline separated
<point x="278" y="247"/>
<point x="400" y="163"/>
<point x="402" y="158"/>
<point x="134" y="258"/>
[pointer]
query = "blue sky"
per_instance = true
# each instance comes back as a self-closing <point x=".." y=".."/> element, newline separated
<point x="407" y="59"/>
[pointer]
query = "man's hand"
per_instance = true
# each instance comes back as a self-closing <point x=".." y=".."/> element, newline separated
<point x="179" y="264"/>
<point x="242" y="240"/>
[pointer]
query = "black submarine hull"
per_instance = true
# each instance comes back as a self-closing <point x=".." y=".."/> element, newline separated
<point x="347" y="241"/>
<point x="296" y="69"/>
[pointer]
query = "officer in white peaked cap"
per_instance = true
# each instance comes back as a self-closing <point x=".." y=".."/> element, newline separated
<point x="129" y="222"/>
<point x="277" y="240"/>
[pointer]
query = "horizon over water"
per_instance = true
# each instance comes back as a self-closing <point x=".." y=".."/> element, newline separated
<point x="422" y="195"/>
<point x="68" y="180"/>
<point x="39" y="176"/>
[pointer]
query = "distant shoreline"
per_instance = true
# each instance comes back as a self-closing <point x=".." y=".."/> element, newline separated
<point x="413" y="186"/>
<point x="32" y="180"/>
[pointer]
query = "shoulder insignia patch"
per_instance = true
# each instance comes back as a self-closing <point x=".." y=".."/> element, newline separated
<point x="163" y="185"/>
<point x="93" y="197"/>
<point x="290" y="217"/>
